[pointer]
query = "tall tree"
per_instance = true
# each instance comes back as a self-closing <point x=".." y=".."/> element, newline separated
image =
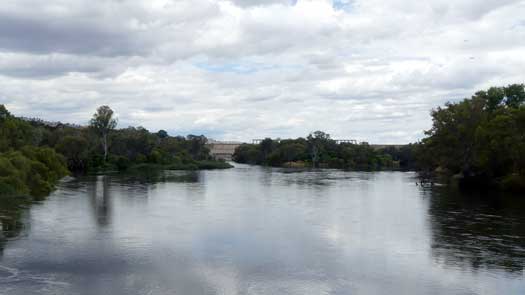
<point x="515" y="95"/>
<point x="316" y="143"/>
<point x="103" y="122"/>
<point x="266" y="147"/>
<point x="162" y="133"/>
<point x="481" y="138"/>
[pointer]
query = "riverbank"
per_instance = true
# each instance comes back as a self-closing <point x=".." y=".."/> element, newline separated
<point x="510" y="183"/>
<point x="196" y="165"/>
<point x="513" y="183"/>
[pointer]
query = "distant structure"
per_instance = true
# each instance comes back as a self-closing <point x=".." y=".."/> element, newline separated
<point x="258" y="140"/>
<point x="222" y="150"/>
<point x="338" y="141"/>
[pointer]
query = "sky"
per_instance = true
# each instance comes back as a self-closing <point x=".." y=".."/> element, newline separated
<point x="370" y="70"/>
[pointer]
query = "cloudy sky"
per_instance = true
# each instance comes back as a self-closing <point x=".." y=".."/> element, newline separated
<point x="241" y="69"/>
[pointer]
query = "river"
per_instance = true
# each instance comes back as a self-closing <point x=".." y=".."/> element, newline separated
<point x="256" y="230"/>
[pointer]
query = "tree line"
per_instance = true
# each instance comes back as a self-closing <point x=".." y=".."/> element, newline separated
<point x="479" y="141"/>
<point x="319" y="150"/>
<point x="34" y="154"/>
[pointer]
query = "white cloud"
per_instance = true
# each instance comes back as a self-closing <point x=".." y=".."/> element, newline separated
<point x="369" y="70"/>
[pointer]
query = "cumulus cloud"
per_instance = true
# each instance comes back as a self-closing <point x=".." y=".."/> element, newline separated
<point x="242" y="69"/>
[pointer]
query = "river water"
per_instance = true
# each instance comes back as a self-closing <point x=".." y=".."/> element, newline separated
<point x="255" y="230"/>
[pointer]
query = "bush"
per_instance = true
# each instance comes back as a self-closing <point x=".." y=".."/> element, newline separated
<point x="213" y="165"/>
<point x="32" y="170"/>
<point x="513" y="182"/>
<point x="75" y="150"/>
<point x="141" y="158"/>
<point x="122" y="163"/>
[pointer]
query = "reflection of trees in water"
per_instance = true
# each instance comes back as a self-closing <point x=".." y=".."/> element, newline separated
<point x="12" y="210"/>
<point x="102" y="187"/>
<point x="100" y="193"/>
<point x="476" y="231"/>
<point x="153" y="176"/>
<point x="319" y="178"/>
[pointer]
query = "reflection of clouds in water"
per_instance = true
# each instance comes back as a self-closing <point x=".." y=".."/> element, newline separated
<point x="243" y="231"/>
<point x="152" y="177"/>
<point x="293" y="286"/>
<point x="228" y="280"/>
<point x="247" y="262"/>
<point x="221" y="280"/>
<point x="11" y="279"/>
<point x="320" y="177"/>
<point x="104" y="188"/>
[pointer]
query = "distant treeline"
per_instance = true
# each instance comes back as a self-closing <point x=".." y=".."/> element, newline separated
<point x="34" y="154"/>
<point x="479" y="141"/>
<point x="319" y="150"/>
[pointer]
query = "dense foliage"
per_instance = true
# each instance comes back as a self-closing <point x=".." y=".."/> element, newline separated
<point x="34" y="154"/>
<point x="101" y="147"/>
<point x="26" y="169"/>
<point x="481" y="140"/>
<point x="319" y="150"/>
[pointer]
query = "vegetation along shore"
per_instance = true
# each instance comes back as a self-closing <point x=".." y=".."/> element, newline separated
<point x="35" y="154"/>
<point x="478" y="141"/>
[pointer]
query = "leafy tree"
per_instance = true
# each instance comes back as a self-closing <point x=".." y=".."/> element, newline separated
<point x="316" y="142"/>
<point x="132" y="142"/>
<point x="266" y="147"/>
<point x="494" y="97"/>
<point x="292" y="151"/>
<point x="197" y="147"/>
<point x="32" y="170"/>
<point x="75" y="150"/>
<point x="103" y="123"/>
<point x="14" y="132"/>
<point x="248" y="154"/>
<point x="4" y="113"/>
<point x="515" y="95"/>
<point x="162" y="134"/>
<point x="317" y="150"/>
<point x="30" y="164"/>
<point x="482" y="139"/>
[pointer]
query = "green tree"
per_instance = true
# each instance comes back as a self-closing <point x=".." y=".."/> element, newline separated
<point x="481" y="138"/>
<point x="515" y="95"/>
<point x="4" y="113"/>
<point x="316" y="143"/>
<point x="197" y="147"/>
<point x="453" y="134"/>
<point x="75" y="149"/>
<point x="103" y="123"/>
<point x="14" y="132"/>
<point x="162" y="134"/>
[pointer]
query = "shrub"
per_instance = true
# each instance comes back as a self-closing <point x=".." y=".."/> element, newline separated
<point x="32" y="170"/>
<point x="122" y="163"/>
<point x="513" y="182"/>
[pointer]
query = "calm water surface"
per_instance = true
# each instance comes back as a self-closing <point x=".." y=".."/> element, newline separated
<point x="253" y="230"/>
